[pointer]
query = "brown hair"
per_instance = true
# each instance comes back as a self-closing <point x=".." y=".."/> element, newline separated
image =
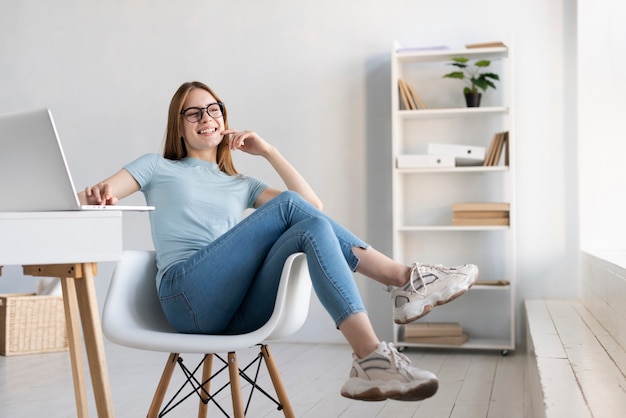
<point x="174" y="148"/>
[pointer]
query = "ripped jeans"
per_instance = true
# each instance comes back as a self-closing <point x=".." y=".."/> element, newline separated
<point x="230" y="286"/>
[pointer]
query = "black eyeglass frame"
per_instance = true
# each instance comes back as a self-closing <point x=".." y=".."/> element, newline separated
<point x="202" y="110"/>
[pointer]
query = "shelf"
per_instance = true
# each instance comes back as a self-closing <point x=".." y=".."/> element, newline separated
<point x="468" y="169"/>
<point x="451" y="228"/>
<point x="487" y="287"/>
<point x="448" y="54"/>
<point x="451" y="111"/>
<point x="472" y="343"/>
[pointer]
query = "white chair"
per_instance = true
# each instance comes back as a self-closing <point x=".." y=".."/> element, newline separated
<point x="133" y="317"/>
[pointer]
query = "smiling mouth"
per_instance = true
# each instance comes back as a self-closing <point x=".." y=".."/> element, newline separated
<point x="207" y="131"/>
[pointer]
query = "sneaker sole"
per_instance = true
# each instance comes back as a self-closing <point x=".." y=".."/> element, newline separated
<point x="429" y="307"/>
<point x="419" y="393"/>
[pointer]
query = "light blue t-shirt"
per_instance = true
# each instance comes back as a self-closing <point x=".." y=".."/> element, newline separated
<point x="194" y="203"/>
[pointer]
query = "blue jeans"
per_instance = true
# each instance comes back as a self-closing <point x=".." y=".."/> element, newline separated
<point x="229" y="287"/>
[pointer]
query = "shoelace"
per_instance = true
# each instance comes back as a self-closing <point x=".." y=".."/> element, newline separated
<point x="416" y="275"/>
<point x="400" y="360"/>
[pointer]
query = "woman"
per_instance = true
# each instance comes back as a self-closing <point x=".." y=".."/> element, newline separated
<point x="218" y="274"/>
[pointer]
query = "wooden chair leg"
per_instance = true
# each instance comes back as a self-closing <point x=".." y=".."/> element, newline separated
<point x="203" y="406"/>
<point x="161" y="389"/>
<point x="235" y="385"/>
<point x="277" y="382"/>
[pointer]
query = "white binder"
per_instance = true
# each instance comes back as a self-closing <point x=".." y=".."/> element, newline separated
<point x="424" y="161"/>
<point x="463" y="154"/>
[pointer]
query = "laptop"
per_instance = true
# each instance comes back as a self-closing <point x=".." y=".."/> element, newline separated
<point x="34" y="176"/>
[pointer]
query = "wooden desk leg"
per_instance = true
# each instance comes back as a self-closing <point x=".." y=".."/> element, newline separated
<point x="94" y="343"/>
<point x="70" y="302"/>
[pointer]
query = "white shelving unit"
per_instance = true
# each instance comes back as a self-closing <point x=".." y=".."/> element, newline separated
<point x="423" y="197"/>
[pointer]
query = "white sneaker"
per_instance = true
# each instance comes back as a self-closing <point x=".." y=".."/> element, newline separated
<point x="387" y="374"/>
<point x="430" y="285"/>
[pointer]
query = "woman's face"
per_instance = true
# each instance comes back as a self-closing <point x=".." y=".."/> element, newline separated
<point x="202" y="137"/>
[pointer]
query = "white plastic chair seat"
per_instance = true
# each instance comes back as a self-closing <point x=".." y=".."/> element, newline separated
<point x="133" y="316"/>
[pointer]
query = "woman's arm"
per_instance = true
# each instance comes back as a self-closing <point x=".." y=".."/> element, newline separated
<point x="252" y="143"/>
<point x="292" y="178"/>
<point x="111" y="190"/>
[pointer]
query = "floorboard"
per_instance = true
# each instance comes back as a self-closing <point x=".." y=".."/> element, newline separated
<point x="472" y="384"/>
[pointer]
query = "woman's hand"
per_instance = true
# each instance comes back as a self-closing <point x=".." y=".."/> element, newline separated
<point x="247" y="141"/>
<point x="100" y="194"/>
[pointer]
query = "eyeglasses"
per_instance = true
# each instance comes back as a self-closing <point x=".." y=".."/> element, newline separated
<point x="194" y="114"/>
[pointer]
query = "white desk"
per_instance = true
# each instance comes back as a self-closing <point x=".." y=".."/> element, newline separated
<point x="68" y="245"/>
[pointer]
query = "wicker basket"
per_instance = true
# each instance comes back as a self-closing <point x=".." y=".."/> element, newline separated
<point x="31" y="324"/>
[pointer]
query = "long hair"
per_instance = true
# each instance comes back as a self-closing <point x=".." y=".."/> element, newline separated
<point x="174" y="148"/>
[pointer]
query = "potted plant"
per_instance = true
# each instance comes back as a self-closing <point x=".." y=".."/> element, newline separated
<point x="473" y="77"/>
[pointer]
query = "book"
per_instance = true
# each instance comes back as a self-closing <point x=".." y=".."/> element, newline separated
<point x="445" y="340"/>
<point x="481" y="206"/>
<point x="413" y="99"/>
<point x="506" y="148"/>
<point x="424" y="161"/>
<point x="478" y="214"/>
<point x="499" y="148"/>
<point x="479" y="221"/>
<point x="491" y="152"/>
<point x="404" y="87"/>
<point x="495" y="44"/>
<point x="404" y="100"/>
<point x="499" y="143"/>
<point x="432" y="329"/>
<point x="416" y="98"/>
<point x="495" y="159"/>
<point x="492" y="282"/>
<point x="491" y="149"/>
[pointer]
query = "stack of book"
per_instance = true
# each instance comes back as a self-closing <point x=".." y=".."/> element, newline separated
<point x="409" y="99"/>
<point x="449" y="333"/>
<point x="464" y="214"/>
<point x="499" y="145"/>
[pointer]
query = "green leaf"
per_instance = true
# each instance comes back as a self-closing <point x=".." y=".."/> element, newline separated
<point x="481" y="83"/>
<point x="456" y="74"/>
<point x="482" y="63"/>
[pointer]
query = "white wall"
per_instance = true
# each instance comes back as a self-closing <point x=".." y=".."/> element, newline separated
<point x="311" y="77"/>
<point x="601" y="114"/>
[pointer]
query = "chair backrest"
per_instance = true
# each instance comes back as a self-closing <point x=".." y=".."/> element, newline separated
<point x="293" y="298"/>
<point x="132" y="314"/>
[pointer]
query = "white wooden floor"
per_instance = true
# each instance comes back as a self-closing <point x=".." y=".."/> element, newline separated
<point x="472" y="384"/>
